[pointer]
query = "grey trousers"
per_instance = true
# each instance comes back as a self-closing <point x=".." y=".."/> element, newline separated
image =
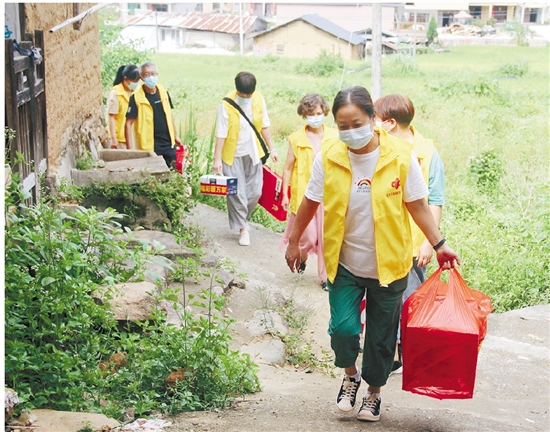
<point x="249" y="189"/>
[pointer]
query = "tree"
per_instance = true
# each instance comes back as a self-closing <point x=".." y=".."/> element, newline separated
<point x="432" y="30"/>
<point x="116" y="51"/>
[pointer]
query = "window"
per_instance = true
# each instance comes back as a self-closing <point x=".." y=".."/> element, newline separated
<point x="500" y="13"/>
<point x="280" y="49"/>
<point x="216" y="7"/>
<point x="475" y="11"/>
<point x="132" y="8"/>
<point x="198" y="7"/>
<point x="159" y="7"/>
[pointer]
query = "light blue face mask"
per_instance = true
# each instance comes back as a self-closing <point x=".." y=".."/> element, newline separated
<point x="356" y="138"/>
<point x="315" y="121"/>
<point x="151" y="81"/>
<point x="243" y="101"/>
<point x="133" y="85"/>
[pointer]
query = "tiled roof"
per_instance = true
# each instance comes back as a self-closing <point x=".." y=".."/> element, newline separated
<point x="325" y="25"/>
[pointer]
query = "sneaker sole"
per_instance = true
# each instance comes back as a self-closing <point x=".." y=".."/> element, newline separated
<point x="341" y="411"/>
<point x="369" y="419"/>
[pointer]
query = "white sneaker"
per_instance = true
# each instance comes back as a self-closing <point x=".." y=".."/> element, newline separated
<point x="244" y="239"/>
<point x="370" y="408"/>
<point x="347" y="395"/>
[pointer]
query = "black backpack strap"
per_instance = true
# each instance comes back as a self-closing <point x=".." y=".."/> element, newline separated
<point x="260" y="138"/>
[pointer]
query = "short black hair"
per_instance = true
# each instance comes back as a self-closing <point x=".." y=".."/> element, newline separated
<point x="358" y="96"/>
<point x="245" y="83"/>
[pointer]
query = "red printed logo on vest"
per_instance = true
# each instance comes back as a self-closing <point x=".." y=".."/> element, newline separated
<point x="396" y="183"/>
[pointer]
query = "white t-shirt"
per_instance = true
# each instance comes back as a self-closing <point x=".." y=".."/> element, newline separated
<point x="246" y="143"/>
<point x="358" y="253"/>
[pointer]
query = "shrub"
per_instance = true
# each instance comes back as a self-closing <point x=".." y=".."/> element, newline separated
<point x="173" y="196"/>
<point x="513" y="69"/>
<point x="56" y="335"/>
<point x="324" y="65"/>
<point x="400" y="65"/>
<point x="432" y="30"/>
<point x="115" y="51"/>
<point x="486" y="170"/>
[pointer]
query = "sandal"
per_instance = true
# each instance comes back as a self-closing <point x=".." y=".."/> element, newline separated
<point x="324" y="286"/>
<point x="302" y="268"/>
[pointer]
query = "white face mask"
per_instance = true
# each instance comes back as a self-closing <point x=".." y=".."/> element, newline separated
<point x="356" y="138"/>
<point x="315" y="121"/>
<point x="243" y="101"/>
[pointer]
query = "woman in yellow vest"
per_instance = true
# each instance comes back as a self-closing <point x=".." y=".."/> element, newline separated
<point x="394" y="113"/>
<point x="126" y="81"/>
<point x="304" y="144"/>
<point x="369" y="182"/>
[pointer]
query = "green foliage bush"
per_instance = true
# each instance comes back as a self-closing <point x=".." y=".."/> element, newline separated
<point x="400" y="65"/>
<point x="513" y="69"/>
<point x="173" y="195"/>
<point x="486" y="170"/>
<point x="56" y="335"/>
<point x="432" y="30"/>
<point x="116" y="52"/>
<point x="324" y="65"/>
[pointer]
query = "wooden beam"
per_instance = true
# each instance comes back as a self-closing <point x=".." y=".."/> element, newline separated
<point x="80" y="17"/>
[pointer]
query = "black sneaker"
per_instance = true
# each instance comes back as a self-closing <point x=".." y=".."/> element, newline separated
<point x="324" y="286"/>
<point x="397" y="367"/>
<point x="302" y="268"/>
<point x="347" y="395"/>
<point x="370" y="408"/>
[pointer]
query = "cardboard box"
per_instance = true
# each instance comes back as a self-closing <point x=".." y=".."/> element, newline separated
<point x="218" y="185"/>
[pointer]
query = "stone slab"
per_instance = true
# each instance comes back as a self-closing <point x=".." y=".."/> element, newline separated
<point x="129" y="171"/>
<point x="111" y="155"/>
<point x="66" y="421"/>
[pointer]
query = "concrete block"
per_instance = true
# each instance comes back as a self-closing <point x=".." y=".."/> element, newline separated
<point x="112" y="155"/>
<point x="127" y="171"/>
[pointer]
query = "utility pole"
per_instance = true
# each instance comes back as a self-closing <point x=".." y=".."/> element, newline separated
<point x="376" y="89"/>
<point x="414" y="39"/>
<point x="241" y="36"/>
<point x="157" y="30"/>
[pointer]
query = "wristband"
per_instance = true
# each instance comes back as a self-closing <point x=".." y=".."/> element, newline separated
<point x="441" y="243"/>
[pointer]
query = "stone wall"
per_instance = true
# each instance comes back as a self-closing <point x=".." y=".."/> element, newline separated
<point x="73" y="82"/>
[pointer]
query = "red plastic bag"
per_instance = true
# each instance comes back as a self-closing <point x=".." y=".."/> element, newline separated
<point x="272" y="194"/>
<point x="443" y="327"/>
<point x="181" y="158"/>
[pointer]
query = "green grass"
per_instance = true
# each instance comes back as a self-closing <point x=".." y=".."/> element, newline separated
<point x="468" y="105"/>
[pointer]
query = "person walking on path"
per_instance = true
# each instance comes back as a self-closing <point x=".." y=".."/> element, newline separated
<point x="369" y="182"/>
<point x="238" y="151"/>
<point x="126" y="81"/>
<point x="304" y="144"/>
<point x="150" y="117"/>
<point x="394" y="113"/>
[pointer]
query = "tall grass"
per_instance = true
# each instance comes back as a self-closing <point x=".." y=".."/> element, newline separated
<point x="473" y="101"/>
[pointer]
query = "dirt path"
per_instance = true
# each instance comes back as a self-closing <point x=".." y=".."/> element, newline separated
<point x="511" y="386"/>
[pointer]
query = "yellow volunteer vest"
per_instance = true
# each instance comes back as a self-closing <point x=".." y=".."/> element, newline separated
<point x="234" y="125"/>
<point x="145" y="128"/>
<point x="392" y="230"/>
<point x="424" y="150"/>
<point x="304" y="161"/>
<point x="120" y="118"/>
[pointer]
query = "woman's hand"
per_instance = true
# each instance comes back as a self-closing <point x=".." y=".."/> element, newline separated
<point x="217" y="166"/>
<point x="293" y="256"/>
<point x="446" y="257"/>
<point x="274" y="155"/>
<point x="425" y="253"/>
<point x="284" y="202"/>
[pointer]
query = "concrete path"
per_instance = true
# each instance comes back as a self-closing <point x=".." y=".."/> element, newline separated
<point x="512" y="385"/>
